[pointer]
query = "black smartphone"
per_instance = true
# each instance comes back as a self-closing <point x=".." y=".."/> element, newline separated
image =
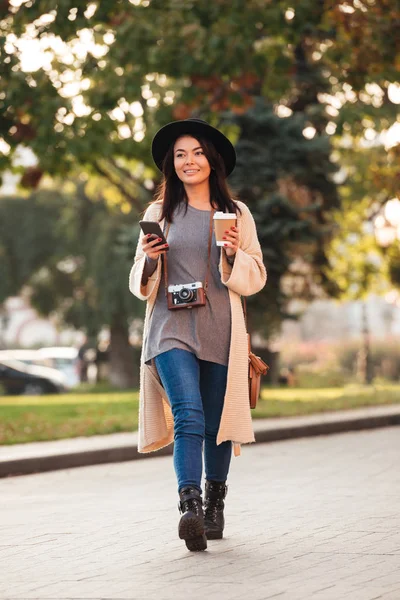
<point x="154" y="228"/>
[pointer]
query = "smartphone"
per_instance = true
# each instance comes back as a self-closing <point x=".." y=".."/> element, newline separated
<point x="154" y="228"/>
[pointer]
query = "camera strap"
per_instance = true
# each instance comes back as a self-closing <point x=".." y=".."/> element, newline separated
<point x="205" y="285"/>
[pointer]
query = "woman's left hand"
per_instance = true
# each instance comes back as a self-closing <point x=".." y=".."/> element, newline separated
<point x="231" y="241"/>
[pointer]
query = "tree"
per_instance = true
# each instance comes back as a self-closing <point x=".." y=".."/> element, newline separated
<point x="86" y="282"/>
<point x="287" y="184"/>
<point x="68" y="249"/>
<point x="29" y="233"/>
<point x="356" y="263"/>
<point x="114" y="71"/>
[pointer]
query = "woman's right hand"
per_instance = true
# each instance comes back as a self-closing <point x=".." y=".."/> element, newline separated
<point x="150" y="248"/>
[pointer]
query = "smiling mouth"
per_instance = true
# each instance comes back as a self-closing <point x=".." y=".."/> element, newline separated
<point x="191" y="171"/>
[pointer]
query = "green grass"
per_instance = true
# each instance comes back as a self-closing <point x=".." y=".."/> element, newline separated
<point x="36" y="418"/>
<point x="294" y="402"/>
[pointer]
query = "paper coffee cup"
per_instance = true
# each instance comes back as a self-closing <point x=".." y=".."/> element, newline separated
<point x="223" y="222"/>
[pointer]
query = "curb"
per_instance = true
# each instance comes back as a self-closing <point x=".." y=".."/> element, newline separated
<point x="266" y="431"/>
<point x="70" y="460"/>
<point x="328" y="428"/>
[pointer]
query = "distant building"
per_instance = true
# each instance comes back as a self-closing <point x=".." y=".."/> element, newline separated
<point x="22" y="327"/>
<point x="327" y="320"/>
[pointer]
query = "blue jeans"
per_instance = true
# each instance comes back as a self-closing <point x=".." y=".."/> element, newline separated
<point x="196" y="390"/>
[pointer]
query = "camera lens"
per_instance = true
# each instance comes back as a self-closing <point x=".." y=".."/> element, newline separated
<point x="185" y="294"/>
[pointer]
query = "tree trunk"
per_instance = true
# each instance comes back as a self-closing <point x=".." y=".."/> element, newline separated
<point x="122" y="368"/>
<point x="364" y="357"/>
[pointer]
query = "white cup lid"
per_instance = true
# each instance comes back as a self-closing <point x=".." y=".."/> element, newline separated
<point x="222" y="215"/>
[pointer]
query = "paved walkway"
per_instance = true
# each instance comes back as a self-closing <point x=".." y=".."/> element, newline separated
<point x="308" y="519"/>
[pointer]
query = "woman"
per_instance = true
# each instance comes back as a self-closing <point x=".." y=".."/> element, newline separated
<point x="194" y="367"/>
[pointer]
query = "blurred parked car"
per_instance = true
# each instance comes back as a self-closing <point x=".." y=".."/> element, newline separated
<point x="64" y="359"/>
<point x="19" y="378"/>
<point x="28" y="357"/>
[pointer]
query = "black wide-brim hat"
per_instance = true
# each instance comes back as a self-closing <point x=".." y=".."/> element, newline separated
<point x="168" y="134"/>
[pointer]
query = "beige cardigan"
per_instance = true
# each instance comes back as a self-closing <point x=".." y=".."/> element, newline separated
<point x="247" y="276"/>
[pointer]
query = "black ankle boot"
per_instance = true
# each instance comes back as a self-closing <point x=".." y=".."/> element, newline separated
<point x="191" y="525"/>
<point x="214" y="509"/>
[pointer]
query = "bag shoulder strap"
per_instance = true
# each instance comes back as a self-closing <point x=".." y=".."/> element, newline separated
<point x="245" y="311"/>
<point x="244" y="305"/>
<point x="165" y="263"/>
<point x="209" y="249"/>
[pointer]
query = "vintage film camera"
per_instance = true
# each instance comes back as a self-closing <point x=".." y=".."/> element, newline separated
<point x="186" y="295"/>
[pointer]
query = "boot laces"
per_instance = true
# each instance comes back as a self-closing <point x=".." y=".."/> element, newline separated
<point x="192" y="504"/>
<point x="212" y="506"/>
<point x="214" y="501"/>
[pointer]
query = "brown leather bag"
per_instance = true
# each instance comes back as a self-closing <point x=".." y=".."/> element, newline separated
<point x="257" y="367"/>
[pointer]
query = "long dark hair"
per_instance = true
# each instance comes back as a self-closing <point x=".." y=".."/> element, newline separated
<point x="172" y="191"/>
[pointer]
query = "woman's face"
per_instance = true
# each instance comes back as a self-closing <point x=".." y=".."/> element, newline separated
<point x="190" y="162"/>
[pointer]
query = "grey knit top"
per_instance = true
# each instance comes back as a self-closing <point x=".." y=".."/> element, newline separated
<point x="205" y="331"/>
